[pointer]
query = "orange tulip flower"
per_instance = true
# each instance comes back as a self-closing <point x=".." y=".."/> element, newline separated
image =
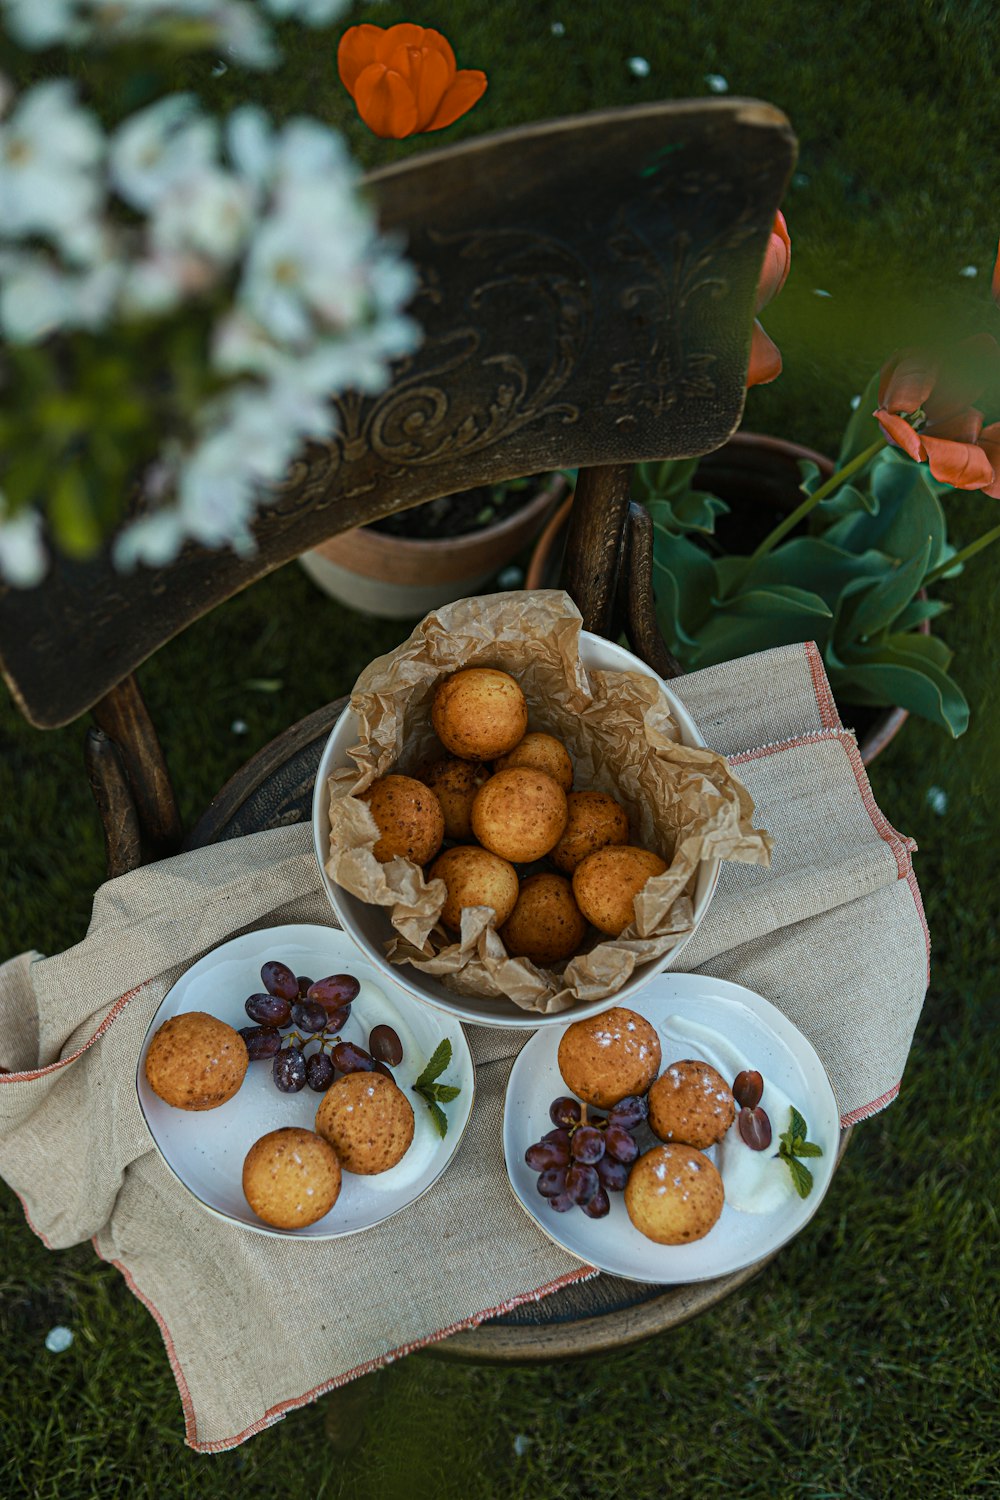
<point x="765" y="357"/>
<point x="926" y="409"/>
<point x="404" y="80"/>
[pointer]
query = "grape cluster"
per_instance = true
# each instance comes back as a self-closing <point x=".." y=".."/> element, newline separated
<point x="586" y="1156"/>
<point x="318" y="1010"/>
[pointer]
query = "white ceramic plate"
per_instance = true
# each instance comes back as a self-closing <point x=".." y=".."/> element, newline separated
<point x="371" y="929"/>
<point x="206" y="1149"/>
<point x="772" y="1045"/>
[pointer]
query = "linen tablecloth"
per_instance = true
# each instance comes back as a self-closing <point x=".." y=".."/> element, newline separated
<point x="833" y="933"/>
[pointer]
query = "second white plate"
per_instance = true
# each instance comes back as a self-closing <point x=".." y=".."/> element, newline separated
<point x="771" y="1044"/>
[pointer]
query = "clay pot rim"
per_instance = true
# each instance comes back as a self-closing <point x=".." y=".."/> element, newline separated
<point x="427" y="546"/>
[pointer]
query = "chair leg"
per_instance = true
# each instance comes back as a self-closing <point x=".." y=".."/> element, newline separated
<point x="109" y="784"/>
<point x="124" y="718"/>
<point x="594" y="544"/>
<point x="636" y="596"/>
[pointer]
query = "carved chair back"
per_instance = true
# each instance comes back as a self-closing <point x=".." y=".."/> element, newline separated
<point x="586" y="292"/>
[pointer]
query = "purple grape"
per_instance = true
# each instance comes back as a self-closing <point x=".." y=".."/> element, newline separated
<point x="334" y="991"/>
<point x="262" y="1041"/>
<point x="289" y="1070"/>
<point x="546" y="1154"/>
<point x="268" y="1010"/>
<point x="384" y="1044"/>
<point x="348" y="1058"/>
<point x="564" y="1111"/>
<point x="619" y="1145"/>
<point x="613" y="1174"/>
<point x="559" y="1137"/>
<point x="582" y="1183"/>
<point x="378" y="1066"/>
<point x="304" y="984"/>
<point x="562" y="1203"/>
<point x="587" y="1145"/>
<point x="599" y="1205"/>
<point x="336" y="1020"/>
<point x="319" y="1072"/>
<point x="308" y="1016"/>
<point x="278" y="979"/>
<point x="629" y="1112"/>
<point x="552" y="1182"/>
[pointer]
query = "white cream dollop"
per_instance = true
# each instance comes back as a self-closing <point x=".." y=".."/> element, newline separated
<point x="755" y="1182"/>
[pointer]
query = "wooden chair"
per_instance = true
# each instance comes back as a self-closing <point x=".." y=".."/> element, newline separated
<point x="587" y="290"/>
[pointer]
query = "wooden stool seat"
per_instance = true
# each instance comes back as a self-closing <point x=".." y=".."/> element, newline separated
<point x="275" y="789"/>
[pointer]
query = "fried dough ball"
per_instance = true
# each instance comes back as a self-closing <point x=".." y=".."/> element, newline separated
<point x="546" y="924"/>
<point x="692" y="1103"/>
<point x="519" y="814"/>
<point x="409" y="817"/>
<point x="455" y="784"/>
<point x="594" y="820"/>
<point x="291" y="1178"/>
<point x="196" y="1061"/>
<point x="479" y="713"/>
<point x="674" y="1195"/>
<point x="475" y="877"/>
<point x="368" y="1121"/>
<point x="607" y="1057"/>
<point x="541" y="752"/>
<point x="606" y="883"/>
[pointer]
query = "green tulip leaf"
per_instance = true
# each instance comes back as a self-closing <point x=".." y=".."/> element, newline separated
<point x="759" y="619"/>
<point x="921" y="609"/>
<point x="862" y="430"/>
<point x="849" y="500"/>
<point x="874" y="607"/>
<point x="684" y="582"/>
<point x="811" y="476"/>
<point x="805" y="562"/>
<point x="908" y="513"/>
<point x="889" y="678"/>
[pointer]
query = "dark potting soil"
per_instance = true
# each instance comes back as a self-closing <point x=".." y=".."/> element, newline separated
<point x="457" y="515"/>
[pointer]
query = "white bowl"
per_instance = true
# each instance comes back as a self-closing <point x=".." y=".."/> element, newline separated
<point x="371" y="929"/>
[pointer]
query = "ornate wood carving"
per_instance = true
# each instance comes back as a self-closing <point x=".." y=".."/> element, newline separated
<point x="587" y="292"/>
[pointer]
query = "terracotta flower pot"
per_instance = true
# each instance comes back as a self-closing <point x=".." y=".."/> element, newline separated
<point x="755" y="475"/>
<point x="397" y="577"/>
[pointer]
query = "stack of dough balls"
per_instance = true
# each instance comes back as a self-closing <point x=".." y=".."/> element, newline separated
<point x="504" y="797"/>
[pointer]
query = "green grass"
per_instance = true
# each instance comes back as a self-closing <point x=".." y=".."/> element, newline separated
<point x="859" y="1366"/>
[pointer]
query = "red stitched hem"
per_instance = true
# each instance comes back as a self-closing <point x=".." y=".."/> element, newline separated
<point x="825" y="702"/>
<point x="911" y="881"/>
<point x="275" y="1413"/>
<point x="865" y="1111"/>
<point x="63" y="1062"/>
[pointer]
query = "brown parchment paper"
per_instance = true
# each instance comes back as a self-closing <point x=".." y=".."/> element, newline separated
<point x="683" y="802"/>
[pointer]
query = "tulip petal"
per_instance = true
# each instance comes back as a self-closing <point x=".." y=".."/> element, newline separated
<point x="777" y="263"/>
<point x="989" y="442"/>
<point x="907" y="381"/>
<point x="964" y="427"/>
<point x="963" y="465"/>
<point x="901" y="433"/>
<point x="765" y="358"/>
<point x="467" y="89"/>
<point x="358" y="50"/>
<point x="405" y="34"/>
<point x="434" y="42"/>
<point x="430" y="80"/>
<point x="385" y="102"/>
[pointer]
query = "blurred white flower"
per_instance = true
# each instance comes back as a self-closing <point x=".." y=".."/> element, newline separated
<point x="51" y="152"/>
<point x="209" y="213"/>
<point x="313" y="12"/>
<point x="37" y="297"/>
<point x="23" y="559"/>
<point x="234" y="24"/>
<point x="44" y="23"/>
<point x="160" y="282"/>
<point x="160" y="148"/>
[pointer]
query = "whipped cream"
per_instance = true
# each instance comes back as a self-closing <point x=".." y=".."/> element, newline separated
<point x="755" y="1182"/>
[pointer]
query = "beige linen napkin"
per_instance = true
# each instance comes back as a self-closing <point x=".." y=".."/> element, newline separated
<point x="833" y="933"/>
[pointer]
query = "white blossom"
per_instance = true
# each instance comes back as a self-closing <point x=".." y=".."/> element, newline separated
<point x="157" y="283"/>
<point x="161" y="148"/>
<point x="208" y="214"/>
<point x="23" y="559"/>
<point x="312" y="12"/>
<point x="37" y="297"/>
<point x="44" y="23"/>
<point x="51" y="152"/>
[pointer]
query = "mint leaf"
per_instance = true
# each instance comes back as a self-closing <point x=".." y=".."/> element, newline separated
<point x="441" y="1121"/>
<point x="441" y="1059"/>
<point x="808" y="1148"/>
<point x="797" y="1126"/>
<point x="802" y="1178"/>
<point x="444" y="1092"/>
